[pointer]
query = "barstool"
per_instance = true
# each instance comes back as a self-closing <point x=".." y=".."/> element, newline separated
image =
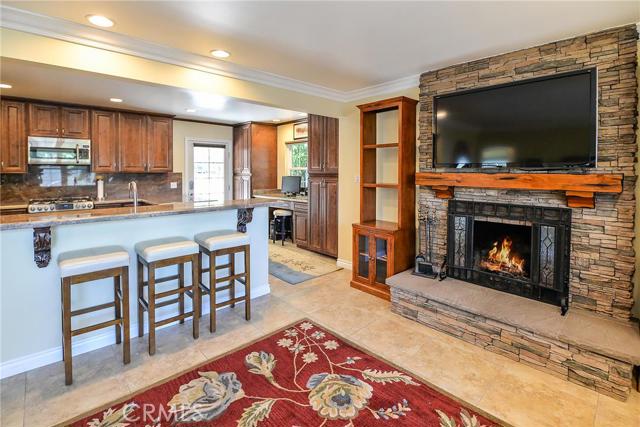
<point x="219" y="243"/>
<point x="86" y="265"/>
<point x="160" y="253"/>
<point x="282" y="219"/>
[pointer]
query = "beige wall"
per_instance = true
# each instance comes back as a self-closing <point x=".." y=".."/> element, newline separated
<point x="349" y="169"/>
<point x="285" y="133"/>
<point x="182" y="130"/>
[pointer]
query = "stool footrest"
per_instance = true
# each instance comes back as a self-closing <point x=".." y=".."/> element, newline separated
<point x="218" y="267"/>
<point x="163" y="279"/>
<point x="173" y="292"/>
<point x="231" y="301"/>
<point x="96" y="327"/>
<point x="93" y="308"/>
<point x="174" y="319"/>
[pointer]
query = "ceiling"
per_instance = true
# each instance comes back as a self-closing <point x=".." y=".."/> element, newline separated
<point x="39" y="81"/>
<point x="348" y="46"/>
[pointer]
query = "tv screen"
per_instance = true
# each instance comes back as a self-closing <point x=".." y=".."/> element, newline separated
<point x="541" y="123"/>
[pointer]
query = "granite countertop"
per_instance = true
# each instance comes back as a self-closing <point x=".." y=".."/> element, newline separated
<point x="18" y="221"/>
<point x="279" y="195"/>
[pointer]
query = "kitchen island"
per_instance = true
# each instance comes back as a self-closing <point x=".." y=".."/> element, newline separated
<point x="30" y="319"/>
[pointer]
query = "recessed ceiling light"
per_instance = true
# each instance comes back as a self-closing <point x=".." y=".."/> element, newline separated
<point x="115" y="99"/>
<point x="275" y="120"/>
<point x="190" y="110"/>
<point x="5" y="86"/>
<point x="221" y="54"/>
<point x="100" y="21"/>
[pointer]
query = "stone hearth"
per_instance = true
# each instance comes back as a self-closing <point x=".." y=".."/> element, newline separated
<point x="581" y="347"/>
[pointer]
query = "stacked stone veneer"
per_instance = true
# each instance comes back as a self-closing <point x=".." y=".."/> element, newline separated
<point x="587" y="368"/>
<point x="602" y="255"/>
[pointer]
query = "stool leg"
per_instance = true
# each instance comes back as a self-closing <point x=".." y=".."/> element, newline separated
<point x="126" y="347"/>
<point x="247" y="282"/>
<point x="118" y="308"/>
<point x="200" y="280"/>
<point x="66" y="330"/>
<point x="232" y="272"/>
<point x="291" y="229"/>
<point x="273" y="230"/>
<point x="195" y="289"/>
<point x="151" y="278"/>
<point x="181" y="285"/>
<point x="212" y="291"/>
<point x="140" y="296"/>
<point x="282" y="230"/>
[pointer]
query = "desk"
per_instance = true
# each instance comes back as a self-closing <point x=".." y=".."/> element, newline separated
<point x="300" y="207"/>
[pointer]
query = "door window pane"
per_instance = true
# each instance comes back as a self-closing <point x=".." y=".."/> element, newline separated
<point x="208" y="173"/>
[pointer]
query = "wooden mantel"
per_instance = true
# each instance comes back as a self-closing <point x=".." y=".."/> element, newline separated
<point x="580" y="189"/>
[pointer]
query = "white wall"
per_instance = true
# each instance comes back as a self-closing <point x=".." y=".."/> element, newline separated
<point x="182" y="130"/>
<point x="285" y="134"/>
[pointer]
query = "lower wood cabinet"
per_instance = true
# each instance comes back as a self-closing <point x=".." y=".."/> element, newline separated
<point x="301" y="224"/>
<point x="323" y="214"/>
<point x="13" y="137"/>
<point x="373" y="259"/>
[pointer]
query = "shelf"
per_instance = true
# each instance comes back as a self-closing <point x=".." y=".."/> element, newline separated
<point x="379" y="225"/>
<point x="380" y="185"/>
<point x="580" y="189"/>
<point x="374" y="146"/>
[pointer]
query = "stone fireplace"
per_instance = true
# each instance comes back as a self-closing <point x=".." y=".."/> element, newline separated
<point x="519" y="249"/>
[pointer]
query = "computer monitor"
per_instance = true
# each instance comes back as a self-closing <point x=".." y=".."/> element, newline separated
<point x="291" y="184"/>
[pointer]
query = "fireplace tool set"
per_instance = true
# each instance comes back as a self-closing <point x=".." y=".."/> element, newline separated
<point x="424" y="261"/>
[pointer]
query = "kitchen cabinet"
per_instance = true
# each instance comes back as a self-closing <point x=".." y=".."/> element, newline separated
<point x="58" y="122"/>
<point x="255" y="161"/>
<point x="104" y="141"/>
<point x="323" y="214"/>
<point x="132" y="135"/>
<point x="323" y="145"/>
<point x="159" y="144"/>
<point x="301" y="224"/>
<point x="13" y="137"/>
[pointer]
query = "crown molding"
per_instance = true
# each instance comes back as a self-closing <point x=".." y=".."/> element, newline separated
<point x="61" y="29"/>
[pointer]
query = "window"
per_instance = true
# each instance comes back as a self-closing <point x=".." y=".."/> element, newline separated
<point x="208" y="173"/>
<point x="297" y="156"/>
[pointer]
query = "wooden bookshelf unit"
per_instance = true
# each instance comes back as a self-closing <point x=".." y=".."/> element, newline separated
<point x="384" y="247"/>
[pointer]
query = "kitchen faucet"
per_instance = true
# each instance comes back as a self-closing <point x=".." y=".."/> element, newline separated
<point x="133" y="193"/>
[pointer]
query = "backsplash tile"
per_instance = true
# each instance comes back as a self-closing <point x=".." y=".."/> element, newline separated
<point x="69" y="181"/>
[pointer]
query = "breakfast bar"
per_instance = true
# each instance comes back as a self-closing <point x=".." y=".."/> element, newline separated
<point x="30" y="278"/>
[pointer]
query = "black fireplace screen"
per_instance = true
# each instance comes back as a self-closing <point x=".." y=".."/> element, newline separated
<point x="523" y="250"/>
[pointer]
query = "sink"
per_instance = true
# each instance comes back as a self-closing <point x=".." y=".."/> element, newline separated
<point x="121" y="204"/>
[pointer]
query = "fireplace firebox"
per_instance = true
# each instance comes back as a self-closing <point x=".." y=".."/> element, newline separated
<point x="523" y="250"/>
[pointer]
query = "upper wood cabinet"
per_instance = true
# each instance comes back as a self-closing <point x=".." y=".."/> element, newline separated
<point x="255" y="161"/>
<point x="159" y="144"/>
<point x="132" y="136"/>
<point x="13" y="137"/>
<point x="104" y="141"/>
<point x="74" y="122"/>
<point x="323" y="145"/>
<point x="55" y="121"/>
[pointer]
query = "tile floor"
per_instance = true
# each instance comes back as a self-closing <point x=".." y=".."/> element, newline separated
<point x="511" y="391"/>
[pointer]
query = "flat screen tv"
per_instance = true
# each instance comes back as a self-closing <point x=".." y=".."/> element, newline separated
<point x="541" y="123"/>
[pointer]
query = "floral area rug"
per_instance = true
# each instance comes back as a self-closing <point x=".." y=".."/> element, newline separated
<point x="302" y="375"/>
<point x="294" y="265"/>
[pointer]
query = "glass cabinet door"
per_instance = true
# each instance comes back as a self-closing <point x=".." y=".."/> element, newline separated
<point x="363" y="256"/>
<point x="381" y="260"/>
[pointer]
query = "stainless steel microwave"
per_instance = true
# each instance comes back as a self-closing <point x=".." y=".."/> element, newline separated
<point x="59" y="151"/>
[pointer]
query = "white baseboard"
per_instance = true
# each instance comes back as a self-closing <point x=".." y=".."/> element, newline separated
<point x="83" y="345"/>
<point x="346" y="264"/>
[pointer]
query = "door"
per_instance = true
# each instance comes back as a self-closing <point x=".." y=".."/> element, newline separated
<point x="361" y="254"/>
<point x="13" y="138"/>
<point x="104" y="141"/>
<point x="331" y="146"/>
<point x="316" y="143"/>
<point x="380" y="258"/>
<point x="210" y="181"/>
<point x="316" y="209"/>
<point x="74" y="122"/>
<point x="159" y="144"/>
<point x="44" y="120"/>
<point x="132" y="142"/>
<point x="330" y="215"/>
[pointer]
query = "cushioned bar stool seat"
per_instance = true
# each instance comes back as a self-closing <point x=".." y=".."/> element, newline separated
<point x="86" y="265"/>
<point x="219" y="243"/>
<point x="281" y="225"/>
<point x="158" y="253"/>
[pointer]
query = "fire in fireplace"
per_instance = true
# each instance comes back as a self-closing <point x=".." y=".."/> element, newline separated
<point x="523" y="250"/>
<point x="502" y="248"/>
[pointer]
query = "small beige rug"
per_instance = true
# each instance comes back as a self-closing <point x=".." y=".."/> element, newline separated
<point x="295" y="265"/>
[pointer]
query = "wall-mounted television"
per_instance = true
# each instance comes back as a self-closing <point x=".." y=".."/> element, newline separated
<point x="541" y="123"/>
